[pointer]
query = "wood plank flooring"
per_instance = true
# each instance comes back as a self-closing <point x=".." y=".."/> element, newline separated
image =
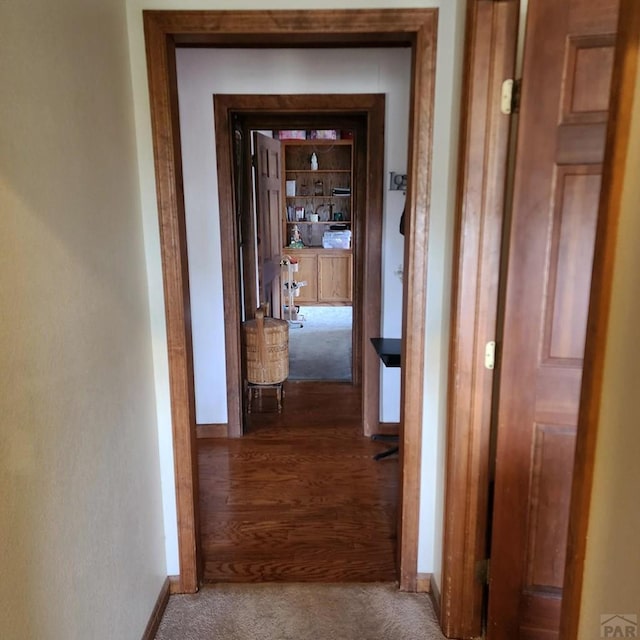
<point x="299" y="496"/>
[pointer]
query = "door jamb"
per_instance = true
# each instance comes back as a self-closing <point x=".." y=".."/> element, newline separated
<point x="490" y="51"/>
<point x="164" y="30"/>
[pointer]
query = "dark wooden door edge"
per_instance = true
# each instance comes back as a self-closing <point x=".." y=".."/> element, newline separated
<point x="491" y="31"/>
<point x="410" y="27"/>
<point x="614" y="175"/>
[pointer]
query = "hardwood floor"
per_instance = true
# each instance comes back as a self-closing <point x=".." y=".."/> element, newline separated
<point x="299" y="496"/>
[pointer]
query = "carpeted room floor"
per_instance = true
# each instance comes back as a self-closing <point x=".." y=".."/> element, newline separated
<point x="285" y="611"/>
<point x="320" y="349"/>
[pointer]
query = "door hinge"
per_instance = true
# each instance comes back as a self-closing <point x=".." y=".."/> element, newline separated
<point x="490" y="355"/>
<point x="254" y="160"/>
<point x="482" y="571"/>
<point x="510" y="96"/>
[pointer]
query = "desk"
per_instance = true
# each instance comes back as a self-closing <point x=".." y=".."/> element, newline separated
<point x="389" y="350"/>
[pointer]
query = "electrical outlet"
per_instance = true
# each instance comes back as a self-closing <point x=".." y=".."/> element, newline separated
<point x="397" y="181"/>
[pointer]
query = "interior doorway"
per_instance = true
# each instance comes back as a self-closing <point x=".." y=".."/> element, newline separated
<point x="362" y="115"/>
<point x="164" y="32"/>
<point x="318" y="212"/>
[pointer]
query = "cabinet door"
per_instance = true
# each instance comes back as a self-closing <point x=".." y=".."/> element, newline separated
<point x="334" y="278"/>
<point x="307" y="271"/>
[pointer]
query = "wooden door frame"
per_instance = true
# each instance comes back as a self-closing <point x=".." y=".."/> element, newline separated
<point x="490" y="52"/>
<point x="166" y="30"/>
<point x="367" y="113"/>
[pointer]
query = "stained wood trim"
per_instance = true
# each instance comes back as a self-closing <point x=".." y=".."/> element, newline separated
<point x="212" y="431"/>
<point x="387" y="429"/>
<point x="436" y="598"/>
<point x="613" y="178"/>
<point x="158" y="611"/>
<point x="491" y="31"/>
<point x="231" y="271"/>
<point x="423" y="583"/>
<point x="174" y="585"/>
<point x="168" y="163"/>
<point x="368" y="257"/>
<point x="414" y="297"/>
<point x="410" y="27"/>
<point x="270" y="111"/>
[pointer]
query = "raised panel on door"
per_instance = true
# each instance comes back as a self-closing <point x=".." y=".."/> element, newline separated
<point x="563" y="117"/>
<point x="334" y="278"/>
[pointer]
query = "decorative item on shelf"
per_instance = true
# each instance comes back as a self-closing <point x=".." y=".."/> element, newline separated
<point x="314" y="162"/>
<point x="337" y="216"/>
<point x="291" y="188"/>
<point x="304" y="189"/>
<point x="318" y="188"/>
<point x="317" y="213"/>
<point x="296" y="241"/>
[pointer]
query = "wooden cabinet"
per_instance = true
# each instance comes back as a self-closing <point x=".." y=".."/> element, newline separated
<point x="328" y="274"/>
<point x="307" y="272"/>
<point x="334" y="277"/>
<point x="319" y="200"/>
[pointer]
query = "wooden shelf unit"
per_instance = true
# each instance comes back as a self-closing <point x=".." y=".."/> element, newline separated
<point x="314" y="189"/>
<point x="328" y="272"/>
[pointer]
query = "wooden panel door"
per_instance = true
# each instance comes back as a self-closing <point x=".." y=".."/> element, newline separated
<point x="565" y="96"/>
<point x="269" y="210"/>
<point x="334" y="278"/>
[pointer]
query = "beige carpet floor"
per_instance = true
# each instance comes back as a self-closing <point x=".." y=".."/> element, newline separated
<point x="275" y="611"/>
<point x="320" y="349"/>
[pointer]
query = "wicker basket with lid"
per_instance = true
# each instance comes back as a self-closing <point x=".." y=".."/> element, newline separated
<point x="267" y="349"/>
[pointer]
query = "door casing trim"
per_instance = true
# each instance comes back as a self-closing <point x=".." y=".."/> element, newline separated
<point x="267" y="111"/>
<point x="164" y="31"/>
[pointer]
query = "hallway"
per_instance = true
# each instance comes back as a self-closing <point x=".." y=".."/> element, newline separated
<point x="299" y="498"/>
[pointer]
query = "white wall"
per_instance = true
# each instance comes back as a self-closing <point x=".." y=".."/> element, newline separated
<point x="612" y="563"/>
<point x="445" y="145"/>
<point x="81" y="542"/>
<point x="204" y="72"/>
